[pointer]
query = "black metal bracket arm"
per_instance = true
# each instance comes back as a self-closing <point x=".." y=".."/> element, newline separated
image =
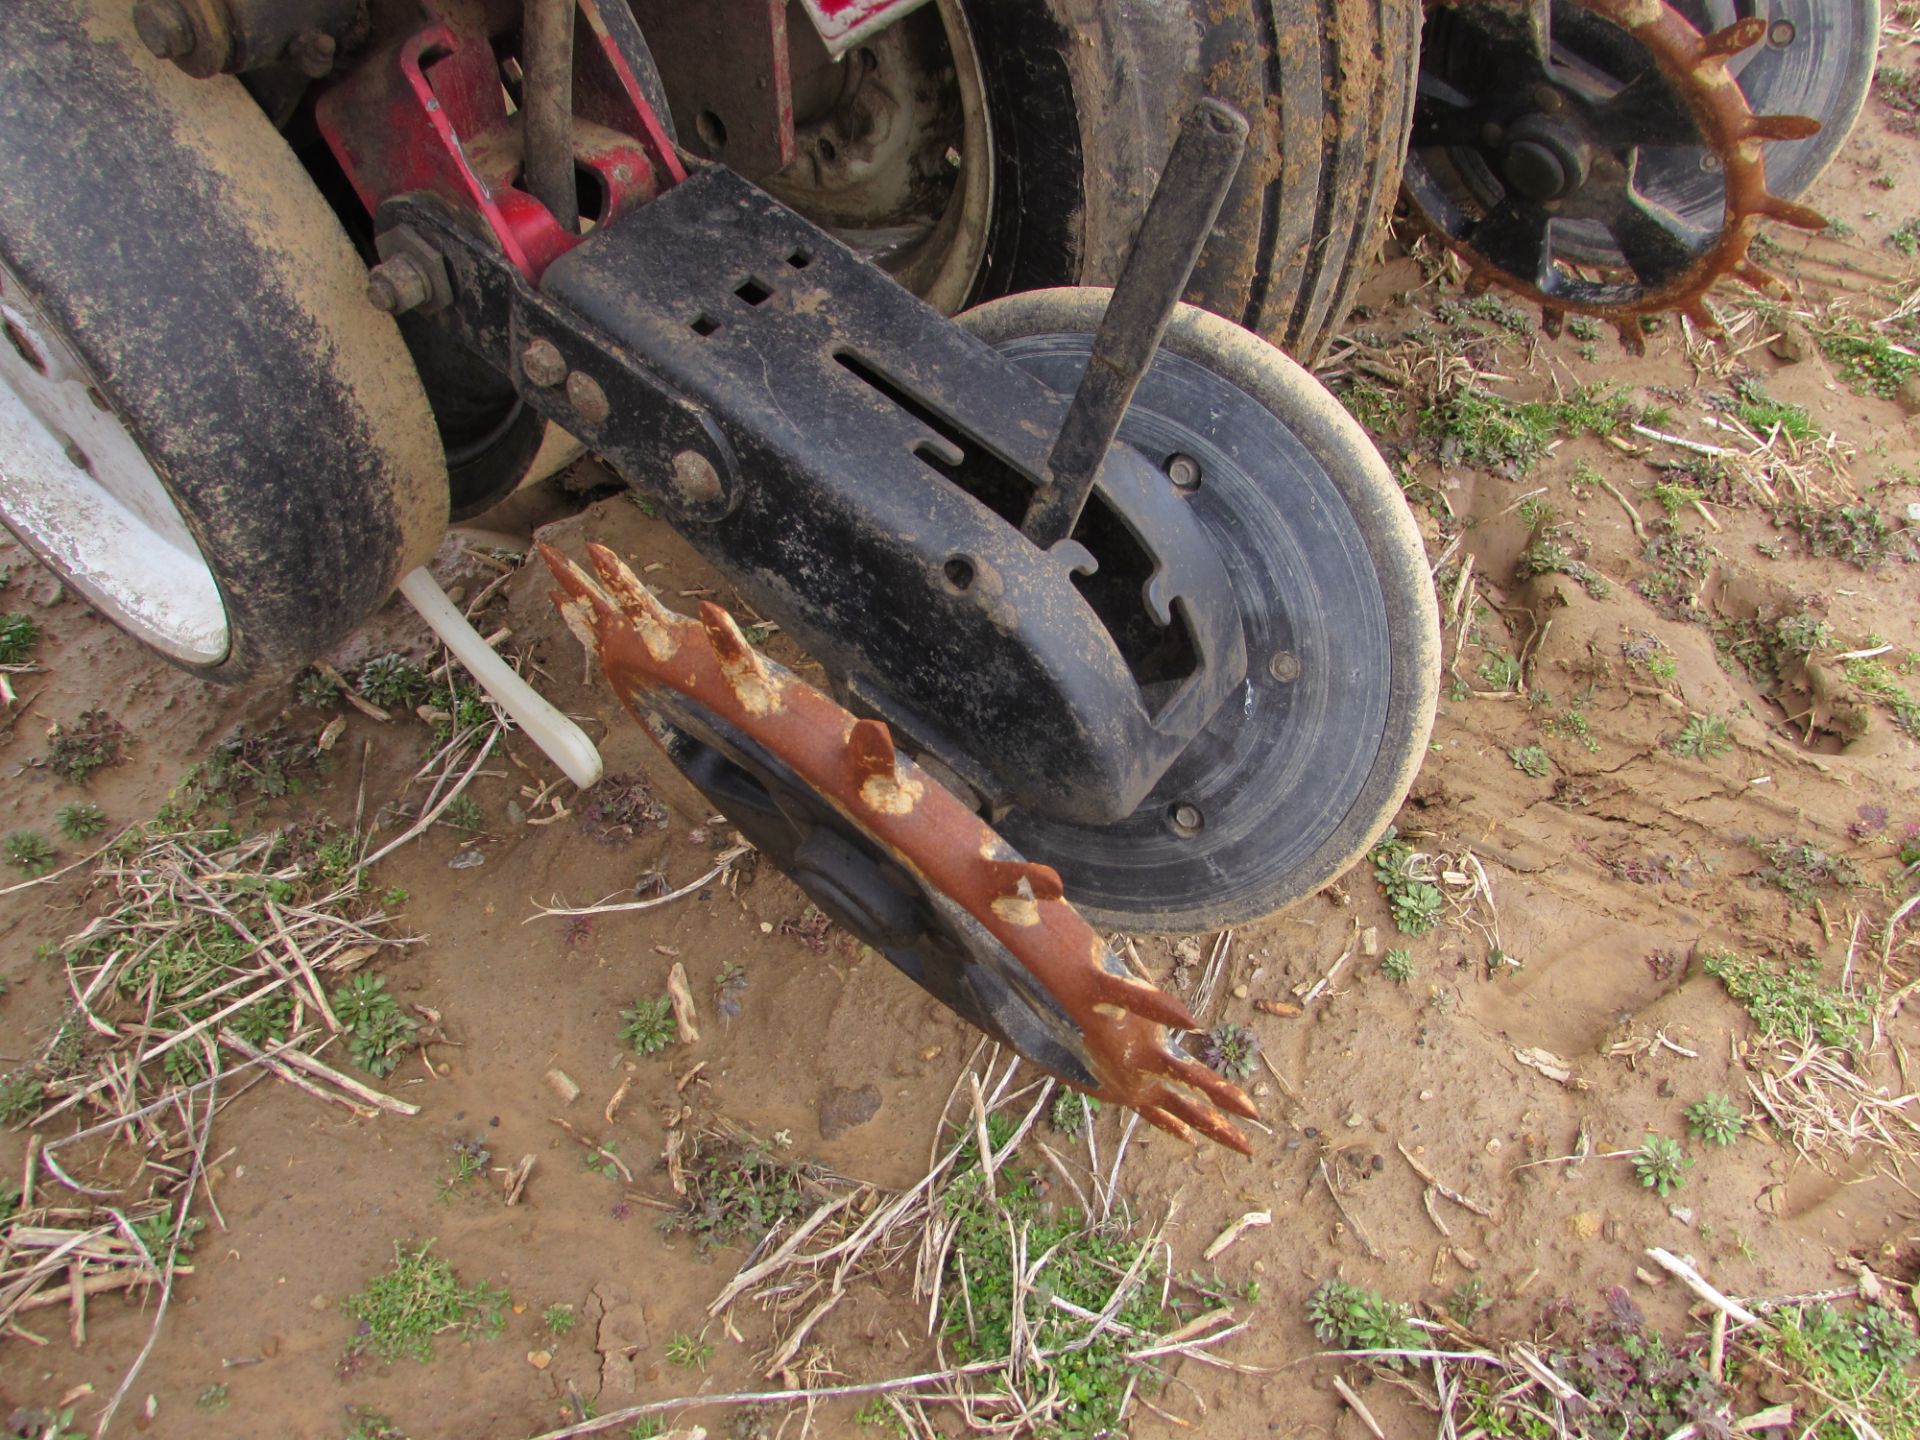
<point x="1205" y="157"/>
<point x="859" y="466"/>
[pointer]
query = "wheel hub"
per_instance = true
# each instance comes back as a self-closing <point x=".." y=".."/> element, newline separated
<point x="1545" y="158"/>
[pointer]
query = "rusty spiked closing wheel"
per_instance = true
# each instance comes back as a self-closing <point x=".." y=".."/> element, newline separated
<point x="887" y="850"/>
<point x="1549" y="134"/>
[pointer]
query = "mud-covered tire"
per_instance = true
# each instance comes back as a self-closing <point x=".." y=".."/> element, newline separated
<point x="1084" y="97"/>
<point x="176" y="250"/>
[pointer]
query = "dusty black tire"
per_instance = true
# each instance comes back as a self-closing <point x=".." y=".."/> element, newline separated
<point x="1299" y="777"/>
<point x="1084" y="96"/>
<point x="175" y="250"/>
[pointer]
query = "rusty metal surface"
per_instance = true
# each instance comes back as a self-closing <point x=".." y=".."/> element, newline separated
<point x="728" y="76"/>
<point x="1124" y="1021"/>
<point x="1695" y="67"/>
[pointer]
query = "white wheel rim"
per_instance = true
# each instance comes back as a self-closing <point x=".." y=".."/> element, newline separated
<point x="77" y="490"/>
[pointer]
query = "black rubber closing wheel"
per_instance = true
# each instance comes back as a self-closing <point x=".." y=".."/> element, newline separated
<point x="204" y="428"/>
<point x="1296" y="777"/>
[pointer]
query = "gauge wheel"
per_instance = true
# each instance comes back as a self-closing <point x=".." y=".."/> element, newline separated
<point x="1305" y="766"/>
<point x="205" y="431"/>
<point x="980" y="148"/>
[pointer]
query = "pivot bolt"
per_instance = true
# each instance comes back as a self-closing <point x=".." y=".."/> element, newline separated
<point x="589" y="401"/>
<point x="312" y="53"/>
<point x="1184" y="471"/>
<point x="1187" y="819"/>
<point x="543" y="363"/>
<point x="1284" y="666"/>
<point x="164" y="28"/>
<point x="694" y="479"/>
<point x="398" y="285"/>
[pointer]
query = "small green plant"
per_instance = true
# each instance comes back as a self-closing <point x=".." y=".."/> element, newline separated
<point x="1703" y="737"/>
<point x="1849" y="1364"/>
<point x="365" y="1424"/>
<point x="1469" y="1301"/>
<point x="1069" y="1112"/>
<point x="22" y="1095"/>
<point x="1715" y="1120"/>
<point x="649" y="1026"/>
<point x="18" y="636"/>
<point x="1531" y="760"/>
<point x="1868" y="360"/>
<point x="317" y="691"/>
<point x="1499" y="671"/>
<point x="689" y="1352"/>
<point x="1398" y="965"/>
<point x="1793" y="1002"/>
<point x="463" y="814"/>
<point x="1356" y="1319"/>
<point x="1905" y="236"/>
<point x="402" y="1310"/>
<point x="92" y="742"/>
<point x="392" y="681"/>
<point x="1803" y="869"/>
<point x="1486" y="431"/>
<point x="1764" y="416"/>
<point x="1233" y="1050"/>
<point x="604" y="1161"/>
<point x="470" y="1159"/>
<point x="1416" y="903"/>
<point x="80" y="820"/>
<point x="29" y="851"/>
<point x="1857" y="534"/>
<point x="1674" y="495"/>
<point x="379" y="1031"/>
<point x="214" y="1397"/>
<point x="1659" y="1163"/>
<point x="393" y="897"/>
<point x="559" y="1319"/>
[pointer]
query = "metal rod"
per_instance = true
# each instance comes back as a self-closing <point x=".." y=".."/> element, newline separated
<point x="1206" y="155"/>
<point x="547" y="39"/>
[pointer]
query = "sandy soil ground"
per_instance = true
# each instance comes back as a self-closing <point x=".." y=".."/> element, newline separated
<point x="1612" y="871"/>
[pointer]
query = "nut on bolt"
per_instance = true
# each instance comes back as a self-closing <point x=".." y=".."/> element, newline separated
<point x="398" y="285"/>
<point x="589" y="401"/>
<point x="544" y="364"/>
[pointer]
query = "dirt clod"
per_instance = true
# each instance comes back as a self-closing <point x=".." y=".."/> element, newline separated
<point x="845" y="1108"/>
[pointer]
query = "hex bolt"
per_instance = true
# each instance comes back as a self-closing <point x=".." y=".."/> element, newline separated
<point x="589" y="401"/>
<point x="1184" y="471"/>
<point x="164" y="28"/>
<point x="1284" y="666"/>
<point x="398" y="285"/>
<point x="1187" y="819"/>
<point x="543" y="364"/>
<point x="695" y="480"/>
<point x="312" y="53"/>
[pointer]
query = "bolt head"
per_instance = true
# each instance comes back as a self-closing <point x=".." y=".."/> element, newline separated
<point x="1284" y="666"/>
<point x="398" y="285"/>
<point x="164" y="28"/>
<point x="695" y="480"/>
<point x="543" y="363"/>
<point x="589" y="401"/>
<point x="1184" y="471"/>
<point x="1187" y="819"/>
<point x="312" y="53"/>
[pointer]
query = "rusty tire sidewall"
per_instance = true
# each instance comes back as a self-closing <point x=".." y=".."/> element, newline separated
<point x="1085" y="97"/>
<point x="171" y="235"/>
<point x="1379" y="511"/>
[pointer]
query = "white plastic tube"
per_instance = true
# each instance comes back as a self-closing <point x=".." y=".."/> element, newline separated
<point x="563" y="742"/>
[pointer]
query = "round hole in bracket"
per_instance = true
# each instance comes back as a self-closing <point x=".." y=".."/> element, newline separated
<point x="1185" y="819"/>
<point x="959" y="573"/>
<point x="1184" y="472"/>
<point x="827" y="151"/>
<point x="711" y="129"/>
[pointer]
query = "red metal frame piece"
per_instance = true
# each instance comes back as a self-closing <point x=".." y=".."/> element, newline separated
<point x="429" y="114"/>
<point x="852" y="764"/>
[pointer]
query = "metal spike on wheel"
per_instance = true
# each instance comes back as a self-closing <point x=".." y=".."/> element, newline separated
<point x="1011" y="951"/>
<point x="1528" y="136"/>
